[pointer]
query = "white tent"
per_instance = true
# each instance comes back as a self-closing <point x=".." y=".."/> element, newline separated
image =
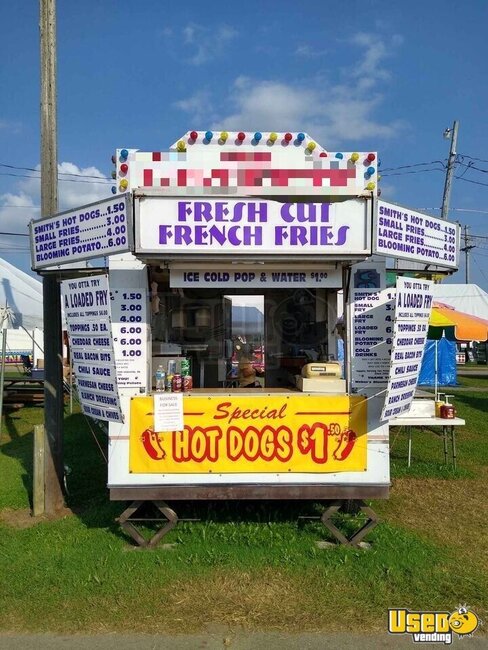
<point x="21" y="295"/>
<point x="468" y="298"/>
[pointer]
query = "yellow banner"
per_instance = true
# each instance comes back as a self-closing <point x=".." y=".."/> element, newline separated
<point x="253" y="433"/>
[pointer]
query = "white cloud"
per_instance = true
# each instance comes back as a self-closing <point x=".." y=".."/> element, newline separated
<point x="199" y="106"/>
<point x="77" y="186"/>
<point x="205" y="43"/>
<point x="11" y="125"/>
<point x="334" y="114"/>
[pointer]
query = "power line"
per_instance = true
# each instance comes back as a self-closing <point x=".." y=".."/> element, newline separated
<point x="432" y="162"/>
<point x="469" y="180"/>
<point x="419" y="171"/>
<point x="38" y="171"/>
<point x="61" y="180"/>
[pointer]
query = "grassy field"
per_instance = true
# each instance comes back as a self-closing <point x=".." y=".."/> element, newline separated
<point x="253" y="565"/>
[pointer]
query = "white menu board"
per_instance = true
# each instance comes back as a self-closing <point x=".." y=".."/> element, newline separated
<point x="412" y="312"/>
<point x="86" y="305"/>
<point x="406" y="234"/>
<point x="94" y="230"/>
<point x="372" y="335"/>
<point x="130" y="331"/>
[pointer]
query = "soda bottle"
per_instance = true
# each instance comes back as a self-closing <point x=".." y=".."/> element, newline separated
<point x="160" y="376"/>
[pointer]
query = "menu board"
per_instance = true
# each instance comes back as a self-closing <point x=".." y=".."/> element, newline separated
<point x="372" y="334"/>
<point x="86" y="305"/>
<point x="412" y="312"/>
<point x="410" y="235"/>
<point x="130" y="332"/>
<point x="94" y="230"/>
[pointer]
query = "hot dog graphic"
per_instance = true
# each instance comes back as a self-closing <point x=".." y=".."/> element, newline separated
<point x="346" y="442"/>
<point x="152" y="445"/>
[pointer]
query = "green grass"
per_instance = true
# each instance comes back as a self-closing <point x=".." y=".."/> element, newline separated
<point x="243" y="564"/>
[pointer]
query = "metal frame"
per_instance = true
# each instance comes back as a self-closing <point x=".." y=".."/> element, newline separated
<point x="249" y="492"/>
<point x="169" y="519"/>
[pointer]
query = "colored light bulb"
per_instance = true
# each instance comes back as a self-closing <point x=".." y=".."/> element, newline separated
<point x="371" y="170"/>
<point x="288" y="137"/>
<point x="301" y="137"/>
<point x="370" y="186"/>
<point x="323" y="154"/>
<point x="241" y="136"/>
<point x="258" y="136"/>
<point x="354" y="157"/>
<point x="340" y="156"/>
<point x="371" y="157"/>
<point x="114" y="160"/>
<point x="114" y="189"/>
<point x="223" y="136"/>
<point x="273" y="137"/>
<point x="114" y="175"/>
<point x="180" y="145"/>
<point x="124" y="168"/>
<point x="124" y="184"/>
<point x="124" y="154"/>
<point x="311" y="146"/>
<point x="208" y="135"/>
<point x="193" y="135"/>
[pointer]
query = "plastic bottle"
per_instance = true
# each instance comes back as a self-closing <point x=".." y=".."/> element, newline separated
<point x="439" y="403"/>
<point x="448" y="412"/>
<point x="160" y="376"/>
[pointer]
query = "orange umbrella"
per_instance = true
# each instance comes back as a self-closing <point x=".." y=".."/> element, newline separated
<point x="456" y="325"/>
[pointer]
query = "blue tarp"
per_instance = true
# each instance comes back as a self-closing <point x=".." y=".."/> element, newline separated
<point x="446" y="364"/>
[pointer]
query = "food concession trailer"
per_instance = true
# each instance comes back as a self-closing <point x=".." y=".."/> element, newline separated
<point x="237" y="253"/>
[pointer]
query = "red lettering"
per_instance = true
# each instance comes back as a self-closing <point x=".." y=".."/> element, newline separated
<point x="284" y="449"/>
<point x="196" y="444"/>
<point x="313" y="440"/>
<point x="223" y="410"/>
<point x="253" y="443"/>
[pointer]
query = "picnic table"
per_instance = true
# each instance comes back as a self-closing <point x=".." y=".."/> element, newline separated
<point x="23" y="389"/>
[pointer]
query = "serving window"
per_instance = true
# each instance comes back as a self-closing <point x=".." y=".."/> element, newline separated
<point x="274" y="331"/>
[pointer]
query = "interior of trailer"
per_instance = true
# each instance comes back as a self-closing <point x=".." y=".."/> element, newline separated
<point x="276" y="330"/>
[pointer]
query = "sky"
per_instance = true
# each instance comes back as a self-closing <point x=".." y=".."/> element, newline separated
<point x="375" y="75"/>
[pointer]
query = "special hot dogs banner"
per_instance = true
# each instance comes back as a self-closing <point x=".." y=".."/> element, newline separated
<point x="253" y="434"/>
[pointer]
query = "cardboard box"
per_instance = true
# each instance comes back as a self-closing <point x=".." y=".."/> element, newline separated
<point x="321" y="385"/>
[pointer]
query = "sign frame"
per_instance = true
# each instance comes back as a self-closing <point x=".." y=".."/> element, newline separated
<point x="145" y="200"/>
<point x="65" y="228"/>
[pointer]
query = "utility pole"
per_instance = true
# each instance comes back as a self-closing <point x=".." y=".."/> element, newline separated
<point x="465" y="249"/>
<point x="53" y="351"/>
<point x="452" y="134"/>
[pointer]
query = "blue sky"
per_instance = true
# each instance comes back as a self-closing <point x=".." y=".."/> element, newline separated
<point x="371" y="75"/>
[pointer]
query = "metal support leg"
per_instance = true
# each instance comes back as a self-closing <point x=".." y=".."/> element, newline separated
<point x="409" y="445"/>
<point x="444" y="435"/>
<point x="127" y="519"/>
<point x="453" y="442"/>
<point x="354" y="540"/>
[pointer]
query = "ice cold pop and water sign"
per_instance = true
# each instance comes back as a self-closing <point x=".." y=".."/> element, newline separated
<point x="86" y="305"/>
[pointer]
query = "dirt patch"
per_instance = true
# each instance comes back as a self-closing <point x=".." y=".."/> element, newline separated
<point x="24" y="519"/>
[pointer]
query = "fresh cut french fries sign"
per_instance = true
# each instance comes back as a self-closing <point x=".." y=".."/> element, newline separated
<point x="252" y="434"/>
